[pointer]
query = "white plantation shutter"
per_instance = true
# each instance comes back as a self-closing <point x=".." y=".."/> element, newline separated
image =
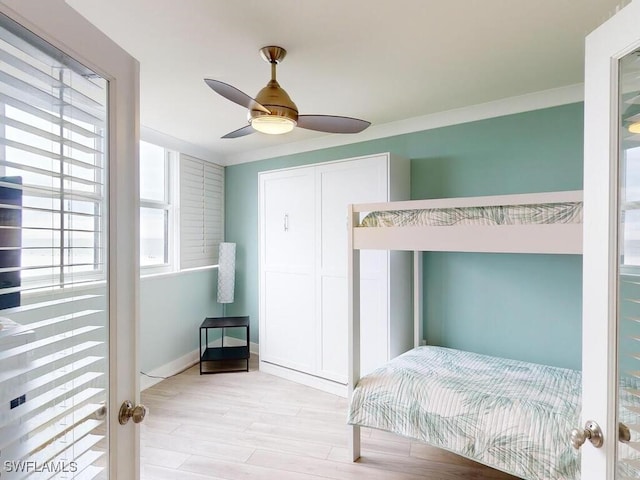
<point x="201" y="212"/>
<point x="628" y="308"/>
<point x="52" y="239"/>
<point x="629" y="375"/>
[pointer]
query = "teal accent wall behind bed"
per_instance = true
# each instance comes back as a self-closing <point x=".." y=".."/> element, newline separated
<point x="526" y="307"/>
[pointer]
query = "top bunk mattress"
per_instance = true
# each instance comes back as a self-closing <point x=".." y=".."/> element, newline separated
<point x="542" y="213"/>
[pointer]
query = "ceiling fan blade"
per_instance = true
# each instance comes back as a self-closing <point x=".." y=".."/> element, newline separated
<point x="332" y="123"/>
<point x="241" y="132"/>
<point x="235" y="95"/>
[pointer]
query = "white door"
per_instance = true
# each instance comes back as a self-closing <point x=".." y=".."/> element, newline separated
<point x="287" y="283"/>
<point x="68" y="303"/>
<point x="611" y="292"/>
<point x="340" y="184"/>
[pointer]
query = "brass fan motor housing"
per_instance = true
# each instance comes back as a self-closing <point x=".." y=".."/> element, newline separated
<point x="277" y="101"/>
<point x="273" y="96"/>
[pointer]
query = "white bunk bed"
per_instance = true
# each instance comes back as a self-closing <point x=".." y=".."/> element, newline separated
<point x="513" y="416"/>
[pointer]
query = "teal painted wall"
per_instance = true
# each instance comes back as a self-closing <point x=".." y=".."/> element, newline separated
<point x="520" y="306"/>
<point x="515" y="306"/>
<point x="172" y="308"/>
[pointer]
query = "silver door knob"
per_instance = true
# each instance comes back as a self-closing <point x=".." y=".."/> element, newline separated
<point x="128" y="411"/>
<point x="591" y="431"/>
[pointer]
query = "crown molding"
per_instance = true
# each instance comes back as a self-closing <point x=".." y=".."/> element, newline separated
<point x="172" y="143"/>
<point x="507" y="106"/>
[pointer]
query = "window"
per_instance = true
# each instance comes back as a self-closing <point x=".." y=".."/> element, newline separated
<point x="201" y="212"/>
<point x="156" y="213"/>
<point x="52" y="175"/>
<point x="200" y="227"/>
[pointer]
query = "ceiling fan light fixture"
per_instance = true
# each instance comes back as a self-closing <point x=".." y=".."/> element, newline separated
<point x="273" y="112"/>
<point x="634" y="127"/>
<point x="273" y="124"/>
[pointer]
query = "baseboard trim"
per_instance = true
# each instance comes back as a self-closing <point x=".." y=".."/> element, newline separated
<point x="186" y="361"/>
<point x="304" y="378"/>
<point x="238" y="342"/>
<point x="168" y="369"/>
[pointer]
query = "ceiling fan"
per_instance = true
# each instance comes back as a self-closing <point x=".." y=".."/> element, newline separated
<point x="273" y="112"/>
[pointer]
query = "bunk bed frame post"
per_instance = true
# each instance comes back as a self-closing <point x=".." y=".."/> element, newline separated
<point x="418" y="334"/>
<point x="354" y="328"/>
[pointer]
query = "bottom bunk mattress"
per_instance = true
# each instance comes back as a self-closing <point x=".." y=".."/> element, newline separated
<point x="510" y="415"/>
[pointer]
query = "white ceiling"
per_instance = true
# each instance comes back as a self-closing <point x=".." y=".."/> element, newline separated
<point x="381" y="61"/>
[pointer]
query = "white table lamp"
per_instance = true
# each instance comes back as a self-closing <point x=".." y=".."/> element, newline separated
<point x="226" y="273"/>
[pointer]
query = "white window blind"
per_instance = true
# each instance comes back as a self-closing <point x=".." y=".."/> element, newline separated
<point x="201" y="212"/>
<point x="52" y="238"/>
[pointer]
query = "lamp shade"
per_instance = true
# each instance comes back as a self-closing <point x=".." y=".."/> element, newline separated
<point x="226" y="272"/>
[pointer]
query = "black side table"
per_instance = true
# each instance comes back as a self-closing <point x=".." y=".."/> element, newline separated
<point x="223" y="353"/>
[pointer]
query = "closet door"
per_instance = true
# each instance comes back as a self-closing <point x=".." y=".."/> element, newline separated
<point x="287" y="299"/>
<point x="339" y="184"/>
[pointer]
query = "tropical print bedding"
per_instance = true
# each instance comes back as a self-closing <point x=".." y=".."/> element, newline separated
<point x="568" y="212"/>
<point x="510" y="415"/>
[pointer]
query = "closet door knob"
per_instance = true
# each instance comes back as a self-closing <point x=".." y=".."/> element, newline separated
<point x="591" y="432"/>
<point x="286" y="222"/>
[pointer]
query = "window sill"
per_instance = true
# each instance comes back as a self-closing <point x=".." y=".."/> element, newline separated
<point x="177" y="273"/>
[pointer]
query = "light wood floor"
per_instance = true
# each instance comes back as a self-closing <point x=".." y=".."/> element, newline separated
<point x="254" y="426"/>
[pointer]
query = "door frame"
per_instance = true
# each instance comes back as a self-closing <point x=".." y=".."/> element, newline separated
<point x="62" y="26"/>
<point x="604" y="47"/>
